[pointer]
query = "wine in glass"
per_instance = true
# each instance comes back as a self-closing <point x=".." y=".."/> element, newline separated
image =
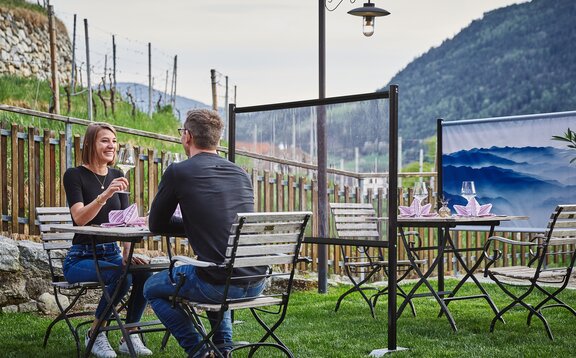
<point x="420" y="191"/>
<point x="126" y="161"/>
<point x="468" y="190"/>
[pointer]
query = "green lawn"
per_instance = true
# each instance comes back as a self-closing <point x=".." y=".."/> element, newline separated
<point x="313" y="329"/>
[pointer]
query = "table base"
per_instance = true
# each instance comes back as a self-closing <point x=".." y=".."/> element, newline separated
<point x="381" y="352"/>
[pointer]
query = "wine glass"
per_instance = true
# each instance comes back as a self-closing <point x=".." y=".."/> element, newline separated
<point x="166" y="161"/>
<point x="468" y="190"/>
<point x="170" y="158"/>
<point x="420" y="191"/>
<point x="176" y="157"/>
<point x="126" y="161"/>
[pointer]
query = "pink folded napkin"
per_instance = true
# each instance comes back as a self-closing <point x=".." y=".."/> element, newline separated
<point x="126" y="217"/>
<point x="416" y="210"/>
<point x="473" y="209"/>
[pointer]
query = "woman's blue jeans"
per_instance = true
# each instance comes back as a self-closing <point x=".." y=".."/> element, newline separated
<point x="79" y="266"/>
<point x="159" y="288"/>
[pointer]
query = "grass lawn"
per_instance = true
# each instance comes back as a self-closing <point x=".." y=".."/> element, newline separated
<point x="313" y="329"/>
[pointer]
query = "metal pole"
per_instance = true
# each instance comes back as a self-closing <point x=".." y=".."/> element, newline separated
<point x="226" y="103"/>
<point x="439" y="181"/>
<point x="232" y="132"/>
<point x="89" y="84"/>
<point x="392" y="215"/>
<point x="321" y="150"/>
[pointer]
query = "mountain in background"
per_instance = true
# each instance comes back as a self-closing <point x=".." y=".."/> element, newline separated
<point x="140" y="94"/>
<point x="520" y="59"/>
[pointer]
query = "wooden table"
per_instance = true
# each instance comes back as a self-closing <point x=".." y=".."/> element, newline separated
<point x="446" y="244"/>
<point x="123" y="234"/>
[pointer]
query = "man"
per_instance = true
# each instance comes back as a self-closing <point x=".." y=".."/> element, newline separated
<point x="210" y="191"/>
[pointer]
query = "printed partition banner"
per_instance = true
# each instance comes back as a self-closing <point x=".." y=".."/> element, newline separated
<point x="514" y="162"/>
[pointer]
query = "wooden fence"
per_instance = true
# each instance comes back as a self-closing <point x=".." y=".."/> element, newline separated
<point x="33" y="161"/>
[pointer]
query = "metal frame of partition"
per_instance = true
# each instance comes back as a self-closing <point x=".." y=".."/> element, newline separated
<point x="392" y="95"/>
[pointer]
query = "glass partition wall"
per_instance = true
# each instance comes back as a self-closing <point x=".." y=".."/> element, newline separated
<point x="357" y="146"/>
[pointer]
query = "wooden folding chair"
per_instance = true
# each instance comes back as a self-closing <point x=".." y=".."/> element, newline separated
<point x="56" y="245"/>
<point x="256" y="239"/>
<point x="358" y="221"/>
<point x="540" y="274"/>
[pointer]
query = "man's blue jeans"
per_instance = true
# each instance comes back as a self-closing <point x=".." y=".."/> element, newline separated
<point x="159" y="287"/>
<point x="79" y="266"/>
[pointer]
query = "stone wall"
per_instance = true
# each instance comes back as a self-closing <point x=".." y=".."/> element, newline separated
<point x="25" y="45"/>
<point x="25" y="277"/>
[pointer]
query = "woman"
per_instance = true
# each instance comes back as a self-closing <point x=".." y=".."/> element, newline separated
<point x="91" y="193"/>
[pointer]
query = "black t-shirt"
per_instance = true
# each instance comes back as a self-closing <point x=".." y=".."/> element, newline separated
<point x="83" y="185"/>
<point x="211" y="191"/>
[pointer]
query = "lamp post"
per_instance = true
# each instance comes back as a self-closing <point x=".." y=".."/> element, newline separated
<point x="368" y="12"/>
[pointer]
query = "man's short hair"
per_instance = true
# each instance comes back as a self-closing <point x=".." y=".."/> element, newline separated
<point x="205" y="126"/>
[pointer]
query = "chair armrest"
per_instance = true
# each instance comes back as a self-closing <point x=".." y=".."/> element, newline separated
<point x="498" y="253"/>
<point x="192" y="261"/>
<point x="507" y="241"/>
<point x="181" y="278"/>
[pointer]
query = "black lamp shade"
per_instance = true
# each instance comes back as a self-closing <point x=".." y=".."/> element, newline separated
<point x="369" y="10"/>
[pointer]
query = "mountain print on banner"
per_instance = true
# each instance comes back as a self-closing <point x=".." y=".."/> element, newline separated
<point x="527" y="181"/>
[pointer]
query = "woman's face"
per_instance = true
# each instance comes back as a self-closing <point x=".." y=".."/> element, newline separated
<point x="105" y="147"/>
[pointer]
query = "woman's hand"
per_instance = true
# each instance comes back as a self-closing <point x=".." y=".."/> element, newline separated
<point x="118" y="184"/>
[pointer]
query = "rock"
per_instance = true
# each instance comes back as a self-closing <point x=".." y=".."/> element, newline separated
<point x="35" y="286"/>
<point x="31" y="306"/>
<point x="34" y="258"/>
<point x="10" y="309"/>
<point x="12" y="289"/>
<point x="47" y="303"/>
<point x="9" y="255"/>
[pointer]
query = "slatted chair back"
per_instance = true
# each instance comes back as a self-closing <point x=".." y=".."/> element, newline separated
<point x="355" y="221"/>
<point x="542" y="270"/>
<point x="56" y="244"/>
<point x="257" y="239"/>
<point x="358" y="221"/>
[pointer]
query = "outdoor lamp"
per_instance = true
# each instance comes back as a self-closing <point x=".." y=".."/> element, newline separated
<point x="368" y="13"/>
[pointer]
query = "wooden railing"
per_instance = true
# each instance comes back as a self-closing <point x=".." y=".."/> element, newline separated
<point x="33" y="161"/>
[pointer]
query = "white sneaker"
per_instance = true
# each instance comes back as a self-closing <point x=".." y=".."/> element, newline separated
<point x="101" y="347"/>
<point x="139" y="347"/>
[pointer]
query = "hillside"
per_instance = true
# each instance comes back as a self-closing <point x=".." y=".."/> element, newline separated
<point x="140" y="92"/>
<point x="515" y="60"/>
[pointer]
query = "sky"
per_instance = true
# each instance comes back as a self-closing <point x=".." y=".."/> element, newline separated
<point x="267" y="49"/>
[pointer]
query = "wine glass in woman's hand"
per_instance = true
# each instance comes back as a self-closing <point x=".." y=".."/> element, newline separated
<point x="126" y="161"/>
